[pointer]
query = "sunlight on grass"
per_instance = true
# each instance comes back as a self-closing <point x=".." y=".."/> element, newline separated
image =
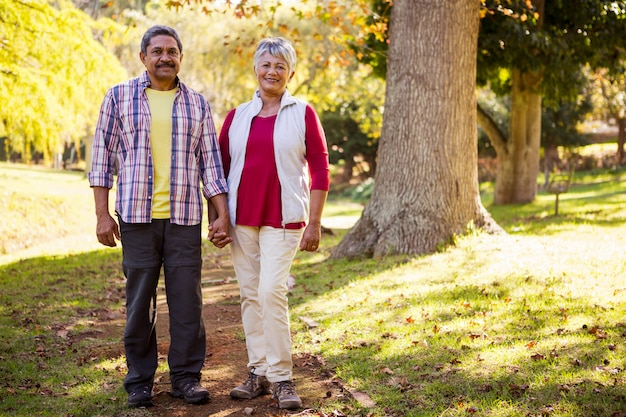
<point x="529" y="323"/>
<point x="515" y="321"/>
<point x="48" y="212"/>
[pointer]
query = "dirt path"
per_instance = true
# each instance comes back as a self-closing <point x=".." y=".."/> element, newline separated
<point x="225" y="365"/>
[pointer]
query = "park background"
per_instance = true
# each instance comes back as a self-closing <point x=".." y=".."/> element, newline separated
<point x="526" y="322"/>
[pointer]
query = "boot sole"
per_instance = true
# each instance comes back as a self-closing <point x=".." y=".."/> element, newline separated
<point x="244" y="395"/>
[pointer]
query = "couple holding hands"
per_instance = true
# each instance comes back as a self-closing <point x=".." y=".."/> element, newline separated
<point x="265" y="177"/>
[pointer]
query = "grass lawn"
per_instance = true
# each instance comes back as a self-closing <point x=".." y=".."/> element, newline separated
<point x="528" y="323"/>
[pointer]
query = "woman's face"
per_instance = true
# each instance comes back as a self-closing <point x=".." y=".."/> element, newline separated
<point x="272" y="74"/>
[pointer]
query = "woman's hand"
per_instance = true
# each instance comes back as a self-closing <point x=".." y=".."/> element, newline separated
<point x="311" y="238"/>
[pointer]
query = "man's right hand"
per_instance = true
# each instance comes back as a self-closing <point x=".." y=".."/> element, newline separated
<point x="107" y="230"/>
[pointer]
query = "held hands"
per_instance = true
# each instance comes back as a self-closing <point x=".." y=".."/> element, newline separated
<point x="219" y="233"/>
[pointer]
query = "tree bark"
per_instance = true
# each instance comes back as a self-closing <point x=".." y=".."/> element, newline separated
<point x="518" y="161"/>
<point x="426" y="183"/>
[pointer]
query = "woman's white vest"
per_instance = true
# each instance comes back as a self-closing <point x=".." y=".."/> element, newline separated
<point x="289" y="152"/>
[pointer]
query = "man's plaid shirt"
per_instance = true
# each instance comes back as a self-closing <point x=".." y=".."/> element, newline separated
<point x="122" y="147"/>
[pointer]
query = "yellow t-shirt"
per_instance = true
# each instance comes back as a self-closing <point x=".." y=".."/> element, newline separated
<point x="161" y="104"/>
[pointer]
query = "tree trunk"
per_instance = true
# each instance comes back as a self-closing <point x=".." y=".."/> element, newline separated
<point x="518" y="162"/>
<point x="621" y="137"/>
<point x="426" y="183"/>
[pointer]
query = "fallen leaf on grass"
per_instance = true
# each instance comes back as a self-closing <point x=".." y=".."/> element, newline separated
<point x="518" y="388"/>
<point x="597" y="332"/>
<point x="356" y="345"/>
<point x="363" y="399"/>
<point x="309" y="322"/>
<point x="400" y="382"/>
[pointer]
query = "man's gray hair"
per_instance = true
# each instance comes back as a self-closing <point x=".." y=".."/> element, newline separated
<point x="156" y="31"/>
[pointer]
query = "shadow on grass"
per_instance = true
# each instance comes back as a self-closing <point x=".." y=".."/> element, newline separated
<point x="477" y="349"/>
<point x="49" y="307"/>
<point x="431" y="342"/>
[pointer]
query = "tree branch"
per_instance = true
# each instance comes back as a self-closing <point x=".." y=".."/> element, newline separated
<point x="492" y="130"/>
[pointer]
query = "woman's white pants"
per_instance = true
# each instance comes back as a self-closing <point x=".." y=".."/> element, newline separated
<point x="262" y="258"/>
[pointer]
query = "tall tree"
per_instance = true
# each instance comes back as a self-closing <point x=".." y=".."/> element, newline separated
<point x="426" y="186"/>
<point x="532" y="50"/>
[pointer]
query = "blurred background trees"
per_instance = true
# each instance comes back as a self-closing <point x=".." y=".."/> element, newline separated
<point x="54" y="60"/>
<point x="550" y="75"/>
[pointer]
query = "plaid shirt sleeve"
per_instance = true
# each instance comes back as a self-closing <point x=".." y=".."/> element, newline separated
<point x="212" y="171"/>
<point x="105" y="143"/>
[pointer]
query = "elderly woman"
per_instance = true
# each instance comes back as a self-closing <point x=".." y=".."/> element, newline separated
<point x="275" y="158"/>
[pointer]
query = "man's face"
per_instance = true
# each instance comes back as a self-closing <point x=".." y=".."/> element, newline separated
<point x="162" y="59"/>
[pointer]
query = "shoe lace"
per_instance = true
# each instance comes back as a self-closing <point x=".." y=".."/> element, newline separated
<point x="251" y="382"/>
<point x="141" y="391"/>
<point x="286" y="388"/>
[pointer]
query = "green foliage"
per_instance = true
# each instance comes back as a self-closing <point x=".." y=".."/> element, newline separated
<point x="499" y="108"/>
<point x="347" y="142"/>
<point x="373" y="51"/>
<point x="218" y="61"/>
<point x="52" y="74"/>
<point x="559" y="126"/>
<point x="556" y="41"/>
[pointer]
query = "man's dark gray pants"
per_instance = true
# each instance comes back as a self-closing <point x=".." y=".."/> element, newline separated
<point x="146" y="247"/>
